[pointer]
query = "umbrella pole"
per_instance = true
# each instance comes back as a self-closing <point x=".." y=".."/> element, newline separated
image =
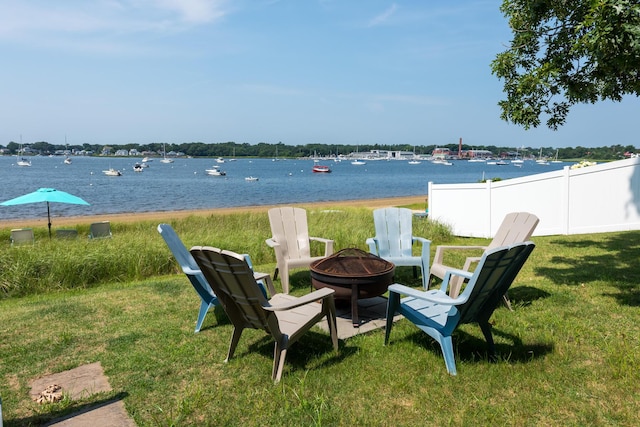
<point x="49" y="219"/>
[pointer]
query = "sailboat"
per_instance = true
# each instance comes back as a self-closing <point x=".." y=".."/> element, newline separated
<point x="164" y="155"/>
<point x="22" y="161"/>
<point x="555" y="159"/>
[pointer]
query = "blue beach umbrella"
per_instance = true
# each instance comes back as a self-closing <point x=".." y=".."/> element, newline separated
<point x="46" y="195"/>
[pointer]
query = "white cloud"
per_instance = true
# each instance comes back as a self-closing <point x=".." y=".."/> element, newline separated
<point x="384" y="16"/>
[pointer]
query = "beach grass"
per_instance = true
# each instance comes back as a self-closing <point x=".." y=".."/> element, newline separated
<point x="567" y="354"/>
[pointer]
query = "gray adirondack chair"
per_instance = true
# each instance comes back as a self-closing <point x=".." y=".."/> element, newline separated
<point x="516" y="227"/>
<point x="394" y="240"/>
<point x="438" y="314"/>
<point x="291" y="242"/>
<point x="286" y="318"/>
<point x="192" y="271"/>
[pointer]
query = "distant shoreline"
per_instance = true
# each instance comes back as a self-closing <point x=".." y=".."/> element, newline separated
<point x="57" y="222"/>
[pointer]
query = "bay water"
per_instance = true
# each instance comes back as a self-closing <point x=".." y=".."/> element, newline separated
<point x="184" y="184"/>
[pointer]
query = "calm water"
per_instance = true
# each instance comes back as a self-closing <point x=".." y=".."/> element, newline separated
<point x="185" y="185"/>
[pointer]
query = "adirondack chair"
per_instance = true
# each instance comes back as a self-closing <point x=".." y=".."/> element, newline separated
<point x="284" y="317"/>
<point x="516" y="227"/>
<point x="21" y="236"/>
<point x="438" y="314"/>
<point x="291" y="242"/>
<point x="394" y="240"/>
<point x="100" y="230"/>
<point x="192" y="271"/>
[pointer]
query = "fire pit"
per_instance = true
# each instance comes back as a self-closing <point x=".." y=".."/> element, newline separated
<point x="353" y="274"/>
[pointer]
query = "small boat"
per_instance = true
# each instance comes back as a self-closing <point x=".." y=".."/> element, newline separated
<point x="138" y="167"/>
<point x="321" y="169"/>
<point x="147" y="160"/>
<point x="251" y="178"/>
<point x="23" y="162"/>
<point x="215" y="172"/>
<point x="414" y="162"/>
<point x="358" y="162"/>
<point x="165" y="159"/>
<point x="441" y="162"/>
<point x="219" y="160"/>
<point x="67" y="160"/>
<point x="112" y="172"/>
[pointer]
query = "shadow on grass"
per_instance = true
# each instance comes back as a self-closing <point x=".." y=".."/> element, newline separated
<point x="525" y="295"/>
<point x="66" y="413"/>
<point x="613" y="259"/>
<point x="311" y="345"/>
<point x="470" y="348"/>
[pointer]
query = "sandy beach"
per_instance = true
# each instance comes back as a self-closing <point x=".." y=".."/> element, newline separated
<point x="160" y="216"/>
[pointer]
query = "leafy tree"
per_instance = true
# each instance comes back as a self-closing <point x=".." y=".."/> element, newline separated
<point x="567" y="52"/>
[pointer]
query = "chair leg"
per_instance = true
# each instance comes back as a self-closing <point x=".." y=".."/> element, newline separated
<point x="330" y="312"/>
<point x="284" y="280"/>
<point x="204" y="308"/>
<point x="485" y="326"/>
<point x="446" y="344"/>
<point x="392" y="306"/>
<point x="279" y="355"/>
<point x="507" y="301"/>
<point x="235" y="338"/>
<point x="275" y="274"/>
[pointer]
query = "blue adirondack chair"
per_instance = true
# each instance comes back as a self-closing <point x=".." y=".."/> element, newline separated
<point x="394" y="240"/>
<point x="437" y="314"/>
<point x="192" y="271"/>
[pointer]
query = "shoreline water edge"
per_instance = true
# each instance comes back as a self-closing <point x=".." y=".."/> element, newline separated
<point x="160" y="216"/>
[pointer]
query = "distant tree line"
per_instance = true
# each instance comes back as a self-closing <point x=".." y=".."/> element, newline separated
<point x="264" y="150"/>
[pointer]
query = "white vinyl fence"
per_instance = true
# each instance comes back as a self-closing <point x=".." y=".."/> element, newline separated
<point x="593" y="199"/>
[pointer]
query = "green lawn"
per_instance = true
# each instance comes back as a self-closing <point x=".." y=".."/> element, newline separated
<point x="568" y="353"/>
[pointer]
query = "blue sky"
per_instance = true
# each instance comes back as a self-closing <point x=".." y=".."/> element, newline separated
<point x="250" y="71"/>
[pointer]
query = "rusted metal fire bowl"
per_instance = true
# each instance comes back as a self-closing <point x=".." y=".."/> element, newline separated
<point x="353" y="274"/>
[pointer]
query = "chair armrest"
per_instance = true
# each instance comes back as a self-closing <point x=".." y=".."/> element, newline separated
<point x="426" y="246"/>
<point x="308" y="298"/>
<point x="454" y="272"/>
<point x="431" y="296"/>
<point x="373" y="245"/>
<point x="328" y="244"/>
<point x="272" y="243"/>
<point x="189" y="270"/>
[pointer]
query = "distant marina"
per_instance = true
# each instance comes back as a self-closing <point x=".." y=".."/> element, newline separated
<point x="188" y="183"/>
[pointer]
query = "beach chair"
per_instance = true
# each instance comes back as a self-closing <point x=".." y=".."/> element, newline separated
<point x="438" y="314"/>
<point x="192" y="271"/>
<point x="100" y="230"/>
<point x="394" y="240"/>
<point x="286" y="318"/>
<point x="515" y="228"/>
<point x="291" y="242"/>
<point x="21" y="236"/>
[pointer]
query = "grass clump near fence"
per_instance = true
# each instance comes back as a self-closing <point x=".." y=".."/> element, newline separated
<point x="567" y="354"/>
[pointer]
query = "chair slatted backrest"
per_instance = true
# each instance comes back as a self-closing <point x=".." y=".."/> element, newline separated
<point x="516" y="227"/>
<point x="290" y="230"/>
<point x="496" y="272"/>
<point x="233" y="282"/>
<point x="187" y="263"/>
<point x="393" y="231"/>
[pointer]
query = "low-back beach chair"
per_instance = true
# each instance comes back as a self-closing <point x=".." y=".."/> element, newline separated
<point x="394" y="240"/>
<point x="100" y="230"/>
<point x="286" y="318"/>
<point x="291" y="242"/>
<point x="438" y="314"/>
<point x="21" y="236"/>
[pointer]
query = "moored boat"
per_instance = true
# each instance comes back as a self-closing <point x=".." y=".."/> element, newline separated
<point x="321" y="169"/>
<point x="112" y="172"/>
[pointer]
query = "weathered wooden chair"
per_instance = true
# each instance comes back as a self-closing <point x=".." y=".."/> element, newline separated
<point x="291" y="242"/>
<point x="394" y="240"/>
<point x="438" y="314"/>
<point x="515" y="228"/>
<point x="100" y="230"/>
<point x="286" y="318"/>
<point x="20" y="236"/>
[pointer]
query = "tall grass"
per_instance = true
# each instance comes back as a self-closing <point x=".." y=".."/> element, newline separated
<point x="137" y="251"/>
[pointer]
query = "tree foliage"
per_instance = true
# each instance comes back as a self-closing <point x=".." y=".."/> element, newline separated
<point x="564" y="53"/>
